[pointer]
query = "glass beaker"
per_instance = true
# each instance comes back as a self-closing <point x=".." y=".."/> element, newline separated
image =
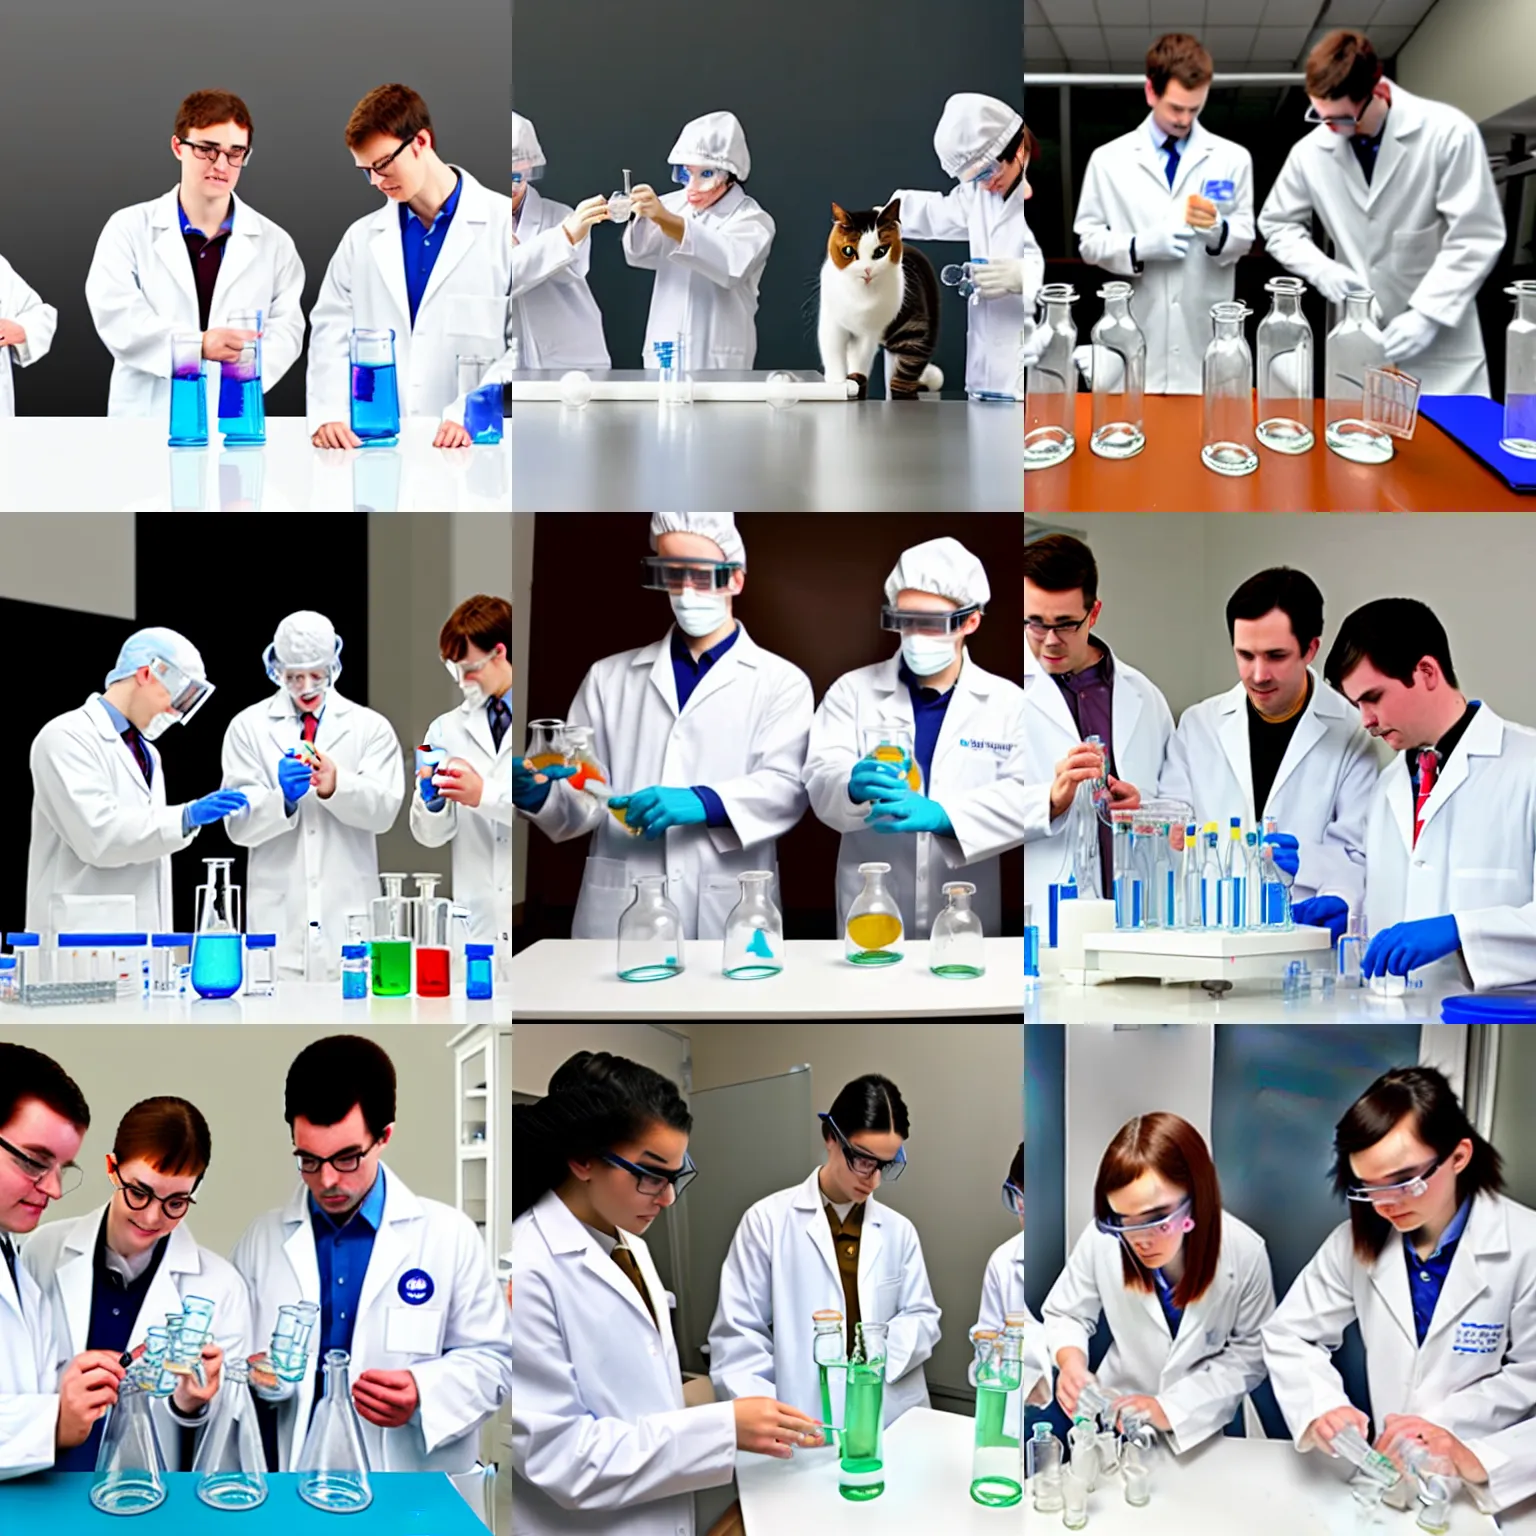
<point x="1119" y="392"/>
<point x="242" y="406"/>
<point x="861" y="1467"/>
<point x="892" y="743"/>
<point x="482" y="402"/>
<point x="580" y="755"/>
<point x="754" y="931"/>
<point x="333" y="1465"/>
<point x="1050" y="390"/>
<point x="375" y="390"/>
<point x="650" y="934"/>
<point x="390" y="943"/>
<point x="1228" y="442"/>
<point x="995" y="1456"/>
<point x="1285" y="370"/>
<point x="546" y="744"/>
<point x="1520" y="373"/>
<point x="229" y="1459"/>
<point x="434" y="948"/>
<point x="620" y="205"/>
<point x="217" y="947"/>
<point x="1074" y="1497"/>
<point x="873" y="932"/>
<point x="1353" y="346"/>
<point x="1351" y="953"/>
<point x="956" y="946"/>
<point x="830" y="1352"/>
<point x="189" y="392"/>
<point x="130" y="1467"/>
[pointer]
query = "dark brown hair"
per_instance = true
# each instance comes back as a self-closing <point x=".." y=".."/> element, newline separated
<point x="28" y="1074"/>
<point x="169" y="1134"/>
<point x="203" y="109"/>
<point x="481" y="621"/>
<point x="1178" y="56"/>
<point x="396" y="111"/>
<point x="1343" y="67"/>
<point x="1060" y="563"/>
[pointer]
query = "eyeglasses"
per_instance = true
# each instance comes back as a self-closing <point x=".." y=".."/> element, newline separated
<point x="663" y="574"/>
<point x="1154" y="1224"/>
<point x="342" y="1162"/>
<point x="1040" y="631"/>
<point x="1013" y="1197"/>
<point x="1410" y="1188"/>
<point x="236" y="154"/>
<point x="380" y="166"/>
<point x="37" y="1169"/>
<point x="139" y="1198"/>
<point x="1312" y="115"/>
<point x="651" y="1181"/>
<point x="862" y="1163"/>
<point x="920" y="621"/>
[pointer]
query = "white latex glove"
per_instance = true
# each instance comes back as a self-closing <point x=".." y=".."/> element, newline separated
<point x="999" y="276"/>
<point x="1408" y="335"/>
<point x="1109" y="365"/>
<point x="1336" y="280"/>
<point x="1168" y="244"/>
<point x="578" y="223"/>
<point x="1036" y="339"/>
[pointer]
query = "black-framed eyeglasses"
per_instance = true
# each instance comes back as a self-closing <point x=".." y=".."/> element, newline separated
<point x="37" y="1169"/>
<point x="342" y="1162"/>
<point x="1013" y="1197"/>
<point x="236" y="154"/>
<point x="380" y="166"/>
<point x="1040" y="631"/>
<point x="139" y="1197"/>
<point x="863" y="1163"/>
<point x="651" y="1181"/>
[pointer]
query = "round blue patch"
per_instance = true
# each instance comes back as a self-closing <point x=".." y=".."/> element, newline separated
<point x="416" y="1287"/>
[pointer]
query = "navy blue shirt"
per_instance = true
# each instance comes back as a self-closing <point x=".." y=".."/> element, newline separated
<point x="420" y="243"/>
<point x="1426" y="1277"/>
<point x="1173" y="1312"/>
<point x="342" y="1254"/>
<point x="928" y="709"/>
<point x="687" y="672"/>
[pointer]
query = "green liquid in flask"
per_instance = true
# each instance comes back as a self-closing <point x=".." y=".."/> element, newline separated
<point x="861" y="1431"/>
<point x="391" y="967"/>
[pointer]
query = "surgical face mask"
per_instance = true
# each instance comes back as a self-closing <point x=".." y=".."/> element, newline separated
<point x="927" y="654"/>
<point x="157" y="725"/>
<point x="699" y="613"/>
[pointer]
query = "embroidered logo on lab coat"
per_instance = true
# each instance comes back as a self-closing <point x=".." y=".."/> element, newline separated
<point x="1478" y="1338"/>
<point x="977" y="745"/>
<point x="416" y="1287"/>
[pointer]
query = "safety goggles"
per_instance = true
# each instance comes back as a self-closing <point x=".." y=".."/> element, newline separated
<point x="301" y="682"/>
<point x="525" y="173"/>
<point x="1154" y="1224"/>
<point x="661" y="574"/>
<point x="651" y="1181"/>
<point x="1013" y="1197"/>
<point x="983" y="168"/>
<point x="862" y="1163"/>
<point x="706" y="176"/>
<point x="188" y="693"/>
<point x="1391" y="1194"/>
<point x="469" y="671"/>
<point x="1312" y="115"/>
<point x="915" y="621"/>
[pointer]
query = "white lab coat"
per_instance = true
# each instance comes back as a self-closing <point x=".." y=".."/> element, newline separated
<point x="18" y="302"/>
<point x="1476" y="856"/>
<point x="140" y="290"/>
<point x="1002" y="1292"/>
<point x="1321" y="793"/>
<point x="322" y="862"/>
<point x="706" y="285"/>
<point x="781" y="1268"/>
<point x="742" y="734"/>
<point x="553" y="312"/>
<point x="977" y="776"/>
<point x="98" y="830"/>
<point x="1475" y="1372"/>
<point x="32" y="1355"/>
<point x="364" y="288"/>
<point x="60" y="1256"/>
<point x="1424" y="234"/>
<point x="1141" y="725"/>
<point x="457" y="1343"/>
<point x="1125" y="191"/>
<point x="601" y="1441"/>
<point x="996" y="229"/>
<point x="1509" y="1458"/>
<point x="1201" y="1377"/>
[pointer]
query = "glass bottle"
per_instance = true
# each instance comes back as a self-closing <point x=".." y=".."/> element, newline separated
<point x="1351" y="955"/>
<point x="1520" y="373"/>
<point x="217" y="953"/>
<point x="333" y="1465"/>
<point x="375" y="407"/>
<point x="861" y="1466"/>
<point x="1083" y="1445"/>
<point x="956" y="946"/>
<point x="754" y="931"/>
<point x="1192" y="915"/>
<point x="1353" y="346"/>
<point x="478" y="982"/>
<point x="261" y="965"/>
<point x="650" y="934"/>
<point x="1119" y="390"/>
<point x="434" y="952"/>
<point x="130" y="1467"/>
<point x="1128" y="873"/>
<point x="230" y="1459"/>
<point x="1277" y="884"/>
<point x="1228" y="439"/>
<point x="1234" y="906"/>
<point x="546" y="744"/>
<point x="1050" y="397"/>
<point x="873" y="933"/>
<point x="189" y="392"/>
<point x="1253" y="911"/>
<point x="1042" y="1464"/>
<point x="995" y="1456"/>
<point x="355" y="969"/>
<point x="891" y="742"/>
<point x="390" y="944"/>
<point x="1210" y="879"/>
<point x="1285" y="370"/>
<point x="830" y="1352"/>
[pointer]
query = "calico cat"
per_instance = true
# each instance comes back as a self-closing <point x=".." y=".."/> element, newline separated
<point x="876" y="292"/>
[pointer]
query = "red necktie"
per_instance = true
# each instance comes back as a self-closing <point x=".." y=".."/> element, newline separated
<point x="1428" y="760"/>
<point x="310" y="725"/>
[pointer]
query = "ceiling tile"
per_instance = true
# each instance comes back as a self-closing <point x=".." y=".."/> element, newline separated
<point x="1400" y="13"/>
<point x="1290" y="13"/>
<point x="1229" y="45"/>
<point x="1033" y="15"/>
<point x="1288" y="43"/>
<point x="1067" y="13"/>
<point x="1387" y="40"/>
<point x="1082" y="45"/>
<point x="1127" y="13"/>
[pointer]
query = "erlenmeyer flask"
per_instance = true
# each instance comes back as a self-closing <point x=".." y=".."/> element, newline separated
<point x="546" y="743"/>
<point x="130" y="1468"/>
<point x="375" y="393"/>
<point x="754" y="931"/>
<point x="1229" y="442"/>
<point x="650" y="934"/>
<point x="1520" y="373"/>
<point x="873" y="932"/>
<point x="390" y="944"/>
<point x="591" y="773"/>
<point x="1354" y="345"/>
<point x="891" y="742"/>
<point x="1118" y="377"/>
<point x="229" y="1456"/>
<point x="1285" y="370"/>
<point x="956" y="947"/>
<point x="1050" y="397"/>
<point x="217" y="951"/>
<point x="333" y="1466"/>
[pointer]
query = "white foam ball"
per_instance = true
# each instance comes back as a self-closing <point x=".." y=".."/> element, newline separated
<point x="576" y="389"/>
<point x="783" y="390"/>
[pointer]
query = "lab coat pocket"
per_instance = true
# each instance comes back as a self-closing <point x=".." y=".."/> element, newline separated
<point x="717" y="895"/>
<point x="1472" y="889"/>
<point x="413" y="1331"/>
<point x="887" y="1300"/>
<point x="605" y="892"/>
<point x="1417" y="250"/>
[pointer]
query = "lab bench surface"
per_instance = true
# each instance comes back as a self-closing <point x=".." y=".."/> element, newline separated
<point x="1429" y="473"/>
<point x="578" y="979"/>
<point x="927" y="1488"/>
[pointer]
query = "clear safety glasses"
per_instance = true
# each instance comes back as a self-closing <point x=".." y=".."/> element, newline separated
<point x="889" y="1168"/>
<point x="1152" y="1224"/>
<point x="469" y="671"/>
<point x="40" y="1170"/>
<point x="983" y="168"/>
<point x="524" y="173"/>
<point x="1013" y="1197"/>
<point x="660" y="574"/>
<point x="913" y="621"/>
<point x="1312" y="115"/>
<point x="302" y="682"/>
<point x="705" y="175"/>
<point x="651" y="1181"/>
<point x="1410" y="1188"/>
<point x="188" y="694"/>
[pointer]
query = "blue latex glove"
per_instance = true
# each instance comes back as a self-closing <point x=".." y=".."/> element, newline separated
<point x="1405" y="947"/>
<point x="1330" y="912"/>
<point x="655" y="809"/>
<point x="910" y="813"/>
<point x="293" y="777"/>
<point x="215" y="807"/>
<point x="529" y="789"/>
<point x="872" y="780"/>
<point x="1287" y="853"/>
<point x="434" y="801"/>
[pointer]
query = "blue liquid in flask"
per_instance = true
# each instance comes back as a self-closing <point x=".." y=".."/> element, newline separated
<point x="375" y="405"/>
<point x="216" y="964"/>
<point x="189" y="411"/>
<point x="242" y="409"/>
<point x="482" y="414"/>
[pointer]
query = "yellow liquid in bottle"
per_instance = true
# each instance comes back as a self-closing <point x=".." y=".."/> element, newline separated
<point x="547" y="760"/>
<point x="874" y="930"/>
<point x="897" y="756"/>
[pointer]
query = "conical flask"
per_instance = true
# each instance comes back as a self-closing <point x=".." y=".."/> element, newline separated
<point x="391" y="917"/>
<point x="873" y="932"/>
<point x="218" y="955"/>
<point x="650" y="934"/>
<point x="130" y="1468"/>
<point x="230" y="1457"/>
<point x="333" y="1466"/>
<point x="956" y="945"/>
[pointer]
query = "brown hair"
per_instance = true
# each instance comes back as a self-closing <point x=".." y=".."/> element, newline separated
<point x="1343" y="67"/>
<point x="1060" y="563"/>
<point x="1174" y="1149"/>
<point x="168" y="1133"/>
<point x="202" y="109"/>
<point x="1178" y="56"/>
<point x="482" y="621"/>
<point x="396" y="111"/>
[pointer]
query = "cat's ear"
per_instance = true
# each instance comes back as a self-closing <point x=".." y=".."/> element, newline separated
<point x="891" y="213"/>
<point x="838" y="214"/>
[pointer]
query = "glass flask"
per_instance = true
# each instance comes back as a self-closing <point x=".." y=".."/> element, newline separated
<point x="1276" y="884"/>
<point x="217" y="946"/>
<point x="956" y="946"/>
<point x="230" y="1460"/>
<point x="754" y="931"/>
<point x="434" y="938"/>
<point x="1050" y="394"/>
<point x="650" y="934"/>
<point x="482" y="402"/>
<point x="375" y="392"/>
<point x="1285" y="370"/>
<point x="546" y="744"/>
<point x="390" y="942"/>
<point x="1228" y="441"/>
<point x="1119" y="392"/>
<point x="333" y="1465"/>
<point x="1353" y="346"/>
<point x="130" y="1467"/>
<point x="620" y="205"/>
<point x="1129" y="881"/>
<point x="961" y="276"/>
<point x="873" y="932"/>
<point x="1520" y="373"/>
<point x="861" y="1467"/>
<point x="892" y="743"/>
<point x="995" y="1456"/>
<point x="1083" y="1446"/>
<point x="830" y="1353"/>
<point x="1087" y="869"/>
<point x="242" y="406"/>
<point x="189" y="392"/>
<point x="1042" y="1463"/>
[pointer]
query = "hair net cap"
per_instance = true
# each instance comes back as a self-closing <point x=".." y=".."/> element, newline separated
<point x="972" y="126"/>
<point x="719" y="526"/>
<point x="525" y="142"/>
<point x="944" y="567"/>
<point x="715" y="139"/>
<point x="305" y="639"/>
<point x="145" y="645"/>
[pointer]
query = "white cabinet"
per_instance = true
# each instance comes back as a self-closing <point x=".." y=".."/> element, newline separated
<point x="482" y="1067"/>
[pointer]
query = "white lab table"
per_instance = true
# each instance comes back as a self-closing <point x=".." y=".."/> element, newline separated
<point x="927" y="1488"/>
<point x="96" y="464"/>
<point x="578" y="979"/>
<point x="1053" y="1001"/>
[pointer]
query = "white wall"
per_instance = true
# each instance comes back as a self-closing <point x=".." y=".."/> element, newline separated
<point x="82" y="561"/>
<point x="1475" y="54"/>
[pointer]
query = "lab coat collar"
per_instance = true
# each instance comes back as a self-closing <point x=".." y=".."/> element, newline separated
<point x="95" y="711"/>
<point x="718" y="211"/>
<point x="1195" y="149"/>
<point x="974" y="682"/>
<point x="477" y="721"/>
<point x="1404" y="121"/>
<point x="400" y="1204"/>
<point x="1232" y="707"/>
<point x="10" y="1295"/>
<point x="1484" y="737"/>
<point x="171" y="247"/>
<point x="1486" y="1234"/>
<point x="565" y="1235"/>
<point x="811" y="1204"/>
<point x="657" y="659"/>
<point x="469" y="224"/>
<point x="1041" y="690"/>
<point x="335" y="716"/>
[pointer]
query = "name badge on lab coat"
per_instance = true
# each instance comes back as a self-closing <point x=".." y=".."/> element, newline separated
<point x="1478" y="1339"/>
<point x="413" y="1330"/>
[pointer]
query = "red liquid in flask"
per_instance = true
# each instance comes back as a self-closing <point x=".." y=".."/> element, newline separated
<point x="432" y="972"/>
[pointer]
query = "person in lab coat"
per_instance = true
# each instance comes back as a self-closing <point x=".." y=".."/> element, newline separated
<point x="966" y="726"/>
<point x="1184" y="1287"/>
<point x="1144" y="214"/>
<point x="1002" y="1294"/>
<point x="1450" y="838"/>
<point x="708" y="727"/>
<point x="1076" y="687"/>
<point x="49" y="1403"/>
<point x="26" y="331"/>
<point x="707" y="244"/>
<point x="440" y="237"/>
<point x="315" y="816"/>
<point x="1280" y="742"/>
<point x="120" y="1269"/>
<point x="1436" y="1266"/>
<point x="1402" y="187"/>
<point x="102" y="831"/>
<point x="983" y="143"/>
<point x="827" y="1244"/>
<point x="195" y="259"/>
<point x="403" y="1283"/>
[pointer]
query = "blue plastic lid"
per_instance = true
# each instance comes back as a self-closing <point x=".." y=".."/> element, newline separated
<point x="7" y="962"/>
<point x="1514" y="1007"/>
<point x="479" y="951"/>
<point x="101" y="940"/>
<point x="261" y="941"/>
<point x="170" y="941"/>
<point x="353" y="951"/>
<point x="13" y="939"/>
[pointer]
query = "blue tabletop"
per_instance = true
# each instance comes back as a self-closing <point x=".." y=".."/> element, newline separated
<point x="1477" y="423"/>
<point x="404" y="1504"/>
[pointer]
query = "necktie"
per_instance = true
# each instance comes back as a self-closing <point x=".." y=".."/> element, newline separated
<point x="1428" y="767"/>
<point x="501" y="720"/>
<point x="10" y="1263"/>
<point x="139" y="750"/>
<point x="309" y="725"/>
<point x="1171" y="148"/>
<point x="626" y="1262"/>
